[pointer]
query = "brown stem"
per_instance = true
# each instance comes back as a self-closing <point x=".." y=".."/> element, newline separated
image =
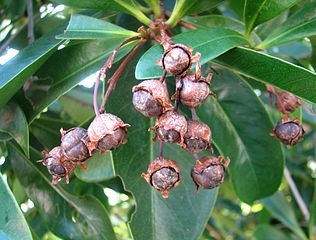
<point x="11" y="38"/>
<point x="187" y="25"/>
<point x="30" y="23"/>
<point x="163" y="76"/>
<point x="194" y="115"/>
<point x="160" y="151"/>
<point x="117" y="74"/>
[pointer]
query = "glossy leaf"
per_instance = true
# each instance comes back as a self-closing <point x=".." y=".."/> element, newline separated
<point x="74" y="63"/>
<point x="20" y="68"/>
<point x="260" y="11"/>
<point x="264" y="232"/>
<point x="85" y="27"/>
<point x="203" y="5"/>
<point x="210" y="43"/>
<point x="100" y="168"/>
<point x="13" y="122"/>
<point x="272" y="70"/>
<point x="66" y="215"/>
<point x="127" y="6"/>
<point x="12" y="222"/>
<point x="279" y="208"/>
<point x="180" y="9"/>
<point x="185" y="213"/>
<point x="240" y="130"/>
<point x="299" y="25"/>
<point x="219" y="21"/>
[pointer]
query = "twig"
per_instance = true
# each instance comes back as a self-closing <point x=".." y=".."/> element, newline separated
<point x="11" y="38"/>
<point x="193" y="114"/>
<point x="160" y="151"/>
<point x="187" y="25"/>
<point x="117" y="74"/>
<point x="30" y="22"/>
<point x="296" y="194"/>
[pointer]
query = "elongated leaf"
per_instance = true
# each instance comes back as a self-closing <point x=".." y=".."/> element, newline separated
<point x="210" y="43"/>
<point x="219" y="21"/>
<point x="279" y="208"/>
<point x="203" y="5"/>
<point x="240" y="130"/>
<point x="20" y="68"/>
<point x="299" y="25"/>
<point x="13" y="122"/>
<point x="127" y="6"/>
<point x="260" y="11"/>
<point x="272" y="70"/>
<point x="73" y="63"/>
<point x="264" y="232"/>
<point x="85" y="27"/>
<point x="100" y="168"/>
<point x="12" y="222"/>
<point x="185" y="213"/>
<point x="65" y="215"/>
<point x="180" y="9"/>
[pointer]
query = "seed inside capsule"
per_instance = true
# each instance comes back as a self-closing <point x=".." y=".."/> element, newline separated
<point x="176" y="61"/>
<point x="170" y="136"/>
<point x="196" y="145"/>
<point x="164" y="178"/>
<point x="145" y="103"/>
<point x="112" y="141"/>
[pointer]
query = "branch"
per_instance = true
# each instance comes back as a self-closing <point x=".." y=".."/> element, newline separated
<point x="296" y="194"/>
<point x="117" y="74"/>
<point x="30" y="23"/>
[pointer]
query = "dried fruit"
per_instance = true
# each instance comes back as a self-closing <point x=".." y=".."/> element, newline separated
<point x="171" y="127"/>
<point x="57" y="164"/>
<point x="163" y="174"/>
<point x="209" y="172"/>
<point x="177" y="59"/>
<point x="197" y="137"/>
<point x="288" y="132"/>
<point x="72" y="144"/>
<point x="191" y="92"/>
<point x="287" y="102"/>
<point x="106" y="132"/>
<point x="151" y="98"/>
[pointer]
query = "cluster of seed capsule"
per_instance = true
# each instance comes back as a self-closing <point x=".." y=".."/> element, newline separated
<point x="151" y="98"/>
<point x="288" y="131"/>
<point x="106" y="132"/>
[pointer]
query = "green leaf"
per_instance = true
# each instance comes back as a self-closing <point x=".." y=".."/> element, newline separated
<point x="20" y="68"/>
<point x="279" y="208"/>
<point x="180" y="9"/>
<point x="127" y="6"/>
<point x="66" y="215"/>
<point x="100" y="168"/>
<point x="74" y="63"/>
<point x="184" y="214"/>
<point x="219" y="21"/>
<point x="260" y="11"/>
<point x="312" y="220"/>
<point x="85" y="27"/>
<point x="240" y="130"/>
<point x="210" y="43"/>
<point x="12" y="222"/>
<point x="299" y="25"/>
<point x="272" y="70"/>
<point x="203" y="5"/>
<point x="264" y="232"/>
<point x="13" y="122"/>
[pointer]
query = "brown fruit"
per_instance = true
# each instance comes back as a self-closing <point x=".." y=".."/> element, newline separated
<point x="177" y="59"/>
<point x="209" y="172"/>
<point x="287" y="102"/>
<point x="106" y="132"/>
<point x="58" y="165"/>
<point x="163" y="174"/>
<point x="170" y="127"/>
<point x="197" y="137"/>
<point x="151" y="98"/>
<point x="192" y="91"/>
<point x="289" y="132"/>
<point x="72" y="144"/>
